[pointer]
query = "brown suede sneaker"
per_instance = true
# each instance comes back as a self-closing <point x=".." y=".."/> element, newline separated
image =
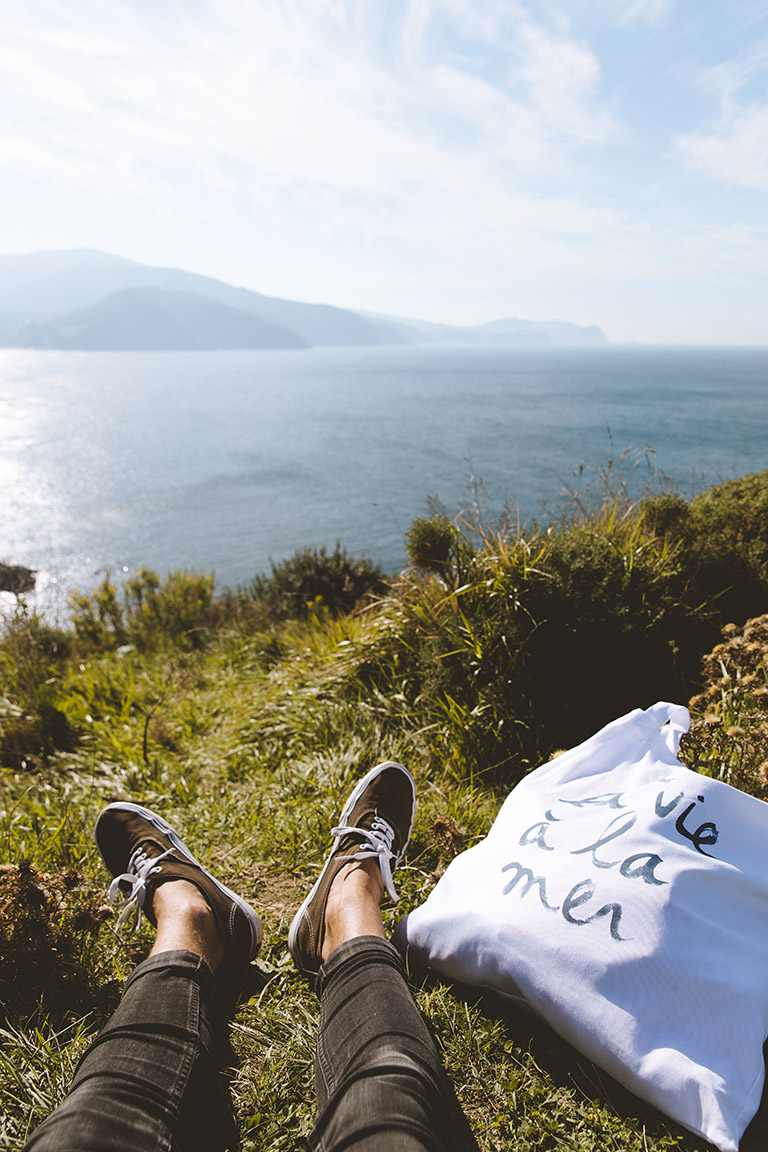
<point x="376" y="822"/>
<point x="142" y="851"/>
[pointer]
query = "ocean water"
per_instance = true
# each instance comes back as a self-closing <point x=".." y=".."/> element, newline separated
<point x="223" y="460"/>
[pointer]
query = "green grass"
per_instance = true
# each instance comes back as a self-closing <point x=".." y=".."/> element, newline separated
<point x="248" y="730"/>
<point x="36" y="1066"/>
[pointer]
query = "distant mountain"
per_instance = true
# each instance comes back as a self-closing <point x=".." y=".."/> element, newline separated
<point x="91" y="300"/>
<point x="159" y="319"/>
<point x="557" y="333"/>
<point x="508" y="332"/>
<point x="57" y="287"/>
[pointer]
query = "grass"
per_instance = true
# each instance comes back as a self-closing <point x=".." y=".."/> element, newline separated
<point x="36" y="1065"/>
<point x="247" y="730"/>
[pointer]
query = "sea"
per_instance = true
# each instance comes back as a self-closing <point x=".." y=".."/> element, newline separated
<point x="227" y="461"/>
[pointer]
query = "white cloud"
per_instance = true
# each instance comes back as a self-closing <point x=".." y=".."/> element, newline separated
<point x="734" y="148"/>
<point x="254" y="94"/>
<point x="624" y="14"/>
<point x="530" y="97"/>
<point x="487" y="22"/>
<point x="644" y="11"/>
<point x="561" y="75"/>
<point x="728" y="79"/>
<point x="736" y="151"/>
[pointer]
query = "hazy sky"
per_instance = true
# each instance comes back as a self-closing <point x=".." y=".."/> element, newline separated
<point x="600" y="161"/>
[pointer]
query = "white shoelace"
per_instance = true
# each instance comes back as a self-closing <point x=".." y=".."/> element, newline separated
<point x="379" y="838"/>
<point x="140" y="868"/>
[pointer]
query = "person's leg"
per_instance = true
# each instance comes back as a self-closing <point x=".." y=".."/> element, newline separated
<point x="149" y="1080"/>
<point x="380" y="1083"/>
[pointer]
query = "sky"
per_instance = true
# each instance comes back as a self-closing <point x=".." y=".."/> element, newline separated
<point x="598" y="161"/>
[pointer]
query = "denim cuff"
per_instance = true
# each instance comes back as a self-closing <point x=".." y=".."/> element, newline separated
<point x="181" y="961"/>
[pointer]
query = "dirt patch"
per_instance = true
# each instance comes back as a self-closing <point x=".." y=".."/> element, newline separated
<point x="280" y="893"/>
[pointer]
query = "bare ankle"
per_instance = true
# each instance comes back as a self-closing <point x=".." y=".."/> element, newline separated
<point x="185" y="922"/>
<point x="353" y="907"/>
<point x="173" y="897"/>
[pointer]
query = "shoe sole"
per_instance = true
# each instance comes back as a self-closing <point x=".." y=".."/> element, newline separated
<point x="254" y="921"/>
<point x="355" y="795"/>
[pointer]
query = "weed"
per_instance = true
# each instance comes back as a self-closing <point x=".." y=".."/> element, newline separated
<point x="729" y="730"/>
<point x="47" y="923"/>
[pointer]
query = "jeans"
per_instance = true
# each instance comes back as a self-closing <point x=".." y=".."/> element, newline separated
<point x="148" y="1082"/>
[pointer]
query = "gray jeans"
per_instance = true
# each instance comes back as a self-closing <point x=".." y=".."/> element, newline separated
<point x="148" y="1081"/>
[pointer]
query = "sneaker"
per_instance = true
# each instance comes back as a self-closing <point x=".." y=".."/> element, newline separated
<point x="376" y="822"/>
<point x="142" y="851"/>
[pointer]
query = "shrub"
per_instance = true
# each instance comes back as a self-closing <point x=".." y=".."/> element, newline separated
<point x="178" y="612"/>
<point x="311" y="579"/>
<point x="724" y="536"/>
<point x="98" y="618"/>
<point x="614" y="628"/>
<point x="541" y="637"/>
<point x="736" y="511"/>
<point x="32" y="723"/>
<point x="664" y="513"/>
<point x="429" y="541"/>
